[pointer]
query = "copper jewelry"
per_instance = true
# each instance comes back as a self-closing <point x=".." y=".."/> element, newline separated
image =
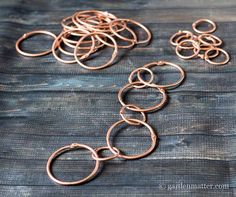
<point x="163" y="63"/>
<point x="202" y="45"/>
<point x="194" y="44"/>
<point x="65" y="149"/>
<point x="27" y="35"/>
<point x="96" y="24"/>
<point x="196" y="24"/>
<point x="207" y="57"/>
<point x="116" y="152"/>
<point x="114" y="54"/>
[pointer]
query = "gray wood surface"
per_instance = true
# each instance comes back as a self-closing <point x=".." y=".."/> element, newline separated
<point x="45" y="104"/>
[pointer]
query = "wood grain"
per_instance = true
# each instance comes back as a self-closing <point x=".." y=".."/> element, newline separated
<point x="45" y="105"/>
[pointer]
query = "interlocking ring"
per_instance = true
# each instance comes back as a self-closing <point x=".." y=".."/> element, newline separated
<point x="163" y="63"/>
<point x="136" y="71"/>
<point x="126" y="119"/>
<point x="27" y="35"/>
<point x="207" y="58"/>
<point x="153" y="138"/>
<point x="217" y="42"/>
<point x="139" y="109"/>
<point x="180" y="35"/>
<point x="149" y="35"/>
<point x="114" y="54"/>
<point x="195" y="52"/>
<point x="196" y="24"/>
<point x="106" y="158"/>
<point x="66" y="149"/>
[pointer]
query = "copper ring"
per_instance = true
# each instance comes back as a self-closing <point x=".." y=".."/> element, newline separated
<point x="57" y="42"/>
<point x="114" y="54"/>
<point x="132" y="41"/>
<point x="196" y="23"/>
<point x="106" y="158"/>
<point x="27" y="35"/>
<point x="126" y="119"/>
<point x="130" y="79"/>
<point x="227" y="58"/>
<point x="65" y="149"/>
<point x="149" y="35"/>
<point x="163" y="63"/>
<point x="195" y="52"/>
<point x="180" y="34"/>
<point x="153" y="108"/>
<point x="153" y="137"/>
<point x="210" y="36"/>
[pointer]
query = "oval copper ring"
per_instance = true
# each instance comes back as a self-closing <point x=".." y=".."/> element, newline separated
<point x="106" y="158"/>
<point x="196" y="23"/>
<point x="195" y="52"/>
<point x="130" y="79"/>
<point x="126" y="119"/>
<point x="65" y="149"/>
<point x="217" y="41"/>
<point x="139" y="109"/>
<point x="180" y="34"/>
<point x="207" y="58"/>
<point x="153" y="138"/>
<point x="27" y="35"/>
<point x="114" y="54"/>
<point x="149" y="35"/>
<point x="163" y="63"/>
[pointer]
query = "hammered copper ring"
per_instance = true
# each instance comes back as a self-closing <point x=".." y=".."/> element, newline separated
<point x="65" y="149"/>
<point x="196" y="23"/>
<point x="153" y="108"/>
<point x="27" y="35"/>
<point x="167" y="86"/>
<point x="153" y="138"/>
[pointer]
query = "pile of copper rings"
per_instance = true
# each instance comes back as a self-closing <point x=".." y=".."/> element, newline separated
<point x="87" y="32"/>
<point x="135" y="81"/>
<point x="205" y="45"/>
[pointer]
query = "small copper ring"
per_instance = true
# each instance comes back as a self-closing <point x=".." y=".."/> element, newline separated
<point x="195" y="53"/>
<point x="114" y="54"/>
<point x="126" y="119"/>
<point x="153" y="108"/>
<point x="149" y="35"/>
<point x="153" y="137"/>
<point x="163" y="63"/>
<point x="181" y="34"/>
<point x="27" y="35"/>
<point x="106" y="158"/>
<point x="196" y="23"/>
<point x="65" y="149"/>
<point x="227" y="58"/>
<point x="217" y="42"/>
<point x="136" y="71"/>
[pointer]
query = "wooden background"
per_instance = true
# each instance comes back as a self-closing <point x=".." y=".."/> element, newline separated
<point x="45" y="105"/>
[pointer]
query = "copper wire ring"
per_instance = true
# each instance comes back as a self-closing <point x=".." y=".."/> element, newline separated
<point x="207" y="58"/>
<point x="163" y="63"/>
<point x="210" y="37"/>
<point x="106" y="158"/>
<point x="186" y="34"/>
<point x="196" y="23"/>
<point x="130" y="79"/>
<point x="153" y="108"/>
<point x="114" y="54"/>
<point x="27" y="35"/>
<point x="57" y="42"/>
<point x="126" y="119"/>
<point x="65" y="149"/>
<point x="195" y="52"/>
<point x="153" y="137"/>
<point x="149" y="35"/>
